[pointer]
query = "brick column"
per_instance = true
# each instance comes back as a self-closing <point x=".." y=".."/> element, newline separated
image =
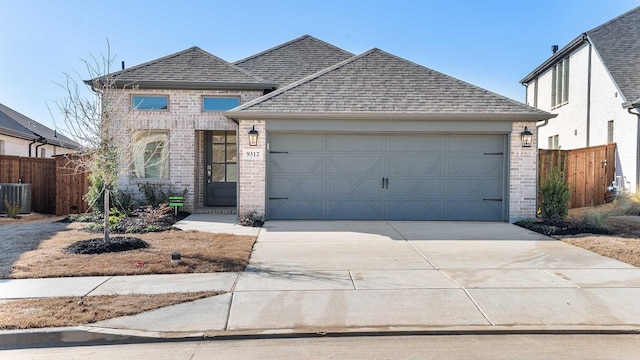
<point x="252" y="169"/>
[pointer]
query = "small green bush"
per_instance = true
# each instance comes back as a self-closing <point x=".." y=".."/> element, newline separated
<point x="115" y="218"/>
<point x="12" y="207"/>
<point x="595" y="218"/>
<point x="95" y="197"/>
<point x="554" y="192"/>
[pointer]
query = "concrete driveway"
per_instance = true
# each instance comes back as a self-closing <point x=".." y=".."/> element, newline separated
<point x="344" y="276"/>
<point x="405" y="274"/>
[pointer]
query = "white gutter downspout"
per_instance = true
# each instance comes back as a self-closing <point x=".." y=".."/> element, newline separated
<point x="636" y="107"/>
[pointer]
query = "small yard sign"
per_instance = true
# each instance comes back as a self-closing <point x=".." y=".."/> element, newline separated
<point x="176" y="201"/>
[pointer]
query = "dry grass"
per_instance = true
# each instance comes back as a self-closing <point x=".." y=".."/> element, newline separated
<point x="35" y="250"/>
<point x="623" y="249"/>
<point x="73" y="311"/>
<point x="624" y="246"/>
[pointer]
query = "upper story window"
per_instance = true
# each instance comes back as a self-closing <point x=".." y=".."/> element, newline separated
<point x="219" y="103"/>
<point x="610" y="132"/>
<point x="553" y="142"/>
<point x="560" y="83"/>
<point x="150" y="102"/>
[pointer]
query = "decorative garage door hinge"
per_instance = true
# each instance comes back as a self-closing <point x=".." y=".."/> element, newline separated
<point x="492" y="199"/>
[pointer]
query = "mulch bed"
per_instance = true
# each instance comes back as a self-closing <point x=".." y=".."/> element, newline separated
<point x="562" y="227"/>
<point x="98" y="246"/>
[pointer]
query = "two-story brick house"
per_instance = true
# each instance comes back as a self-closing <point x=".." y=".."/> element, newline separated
<point x="306" y="130"/>
<point x="593" y="85"/>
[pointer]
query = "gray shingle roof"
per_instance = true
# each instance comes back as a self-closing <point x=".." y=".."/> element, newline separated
<point x="15" y="124"/>
<point x="190" y="68"/>
<point x="618" y="43"/>
<point x="378" y="82"/>
<point x="293" y="60"/>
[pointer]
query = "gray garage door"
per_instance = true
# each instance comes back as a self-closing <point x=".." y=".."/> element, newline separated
<point x="392" y="177"/>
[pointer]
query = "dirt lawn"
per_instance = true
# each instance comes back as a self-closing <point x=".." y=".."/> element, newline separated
<point x="34" y="248"/>
<point x="624" y="246"/>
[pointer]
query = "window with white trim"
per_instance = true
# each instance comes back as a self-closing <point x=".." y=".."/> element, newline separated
<point x="554" y="142"/>
<point x="560" y="83"/>
<point x="151" y="156"/>
<point x="1" y="147"/>
<point x="610" y="132"/>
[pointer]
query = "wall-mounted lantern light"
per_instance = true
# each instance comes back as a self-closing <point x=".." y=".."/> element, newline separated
<point x="253" y="136"/>
<point x="527" y="137"/>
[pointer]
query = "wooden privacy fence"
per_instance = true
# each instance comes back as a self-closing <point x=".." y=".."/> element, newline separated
<point x="588" y="171"/>
<point x="56" y="185"/>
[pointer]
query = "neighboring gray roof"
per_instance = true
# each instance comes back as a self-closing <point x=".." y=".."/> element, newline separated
<point x="377" y="82"/>
<point x="293" y="60"/>
<point x="192" y="68"/>
<point x="618" y="44"/>
<point x="12" y="123"/>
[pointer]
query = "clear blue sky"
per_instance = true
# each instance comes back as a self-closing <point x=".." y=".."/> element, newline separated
<point x="489" y="43"/>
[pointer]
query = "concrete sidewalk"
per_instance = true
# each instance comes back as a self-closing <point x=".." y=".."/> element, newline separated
<point x="324" y="277"/>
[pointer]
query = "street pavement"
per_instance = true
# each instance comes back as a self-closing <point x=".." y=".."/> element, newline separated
<point x="369" y="277"/>
<point x="493" y="347"/>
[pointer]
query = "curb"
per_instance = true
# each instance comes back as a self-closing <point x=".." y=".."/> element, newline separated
<point x="87" y="336"/>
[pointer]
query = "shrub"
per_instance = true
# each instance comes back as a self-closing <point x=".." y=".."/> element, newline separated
<point x="251" y="218"/>
<point x="155" y="194"/>
<point x="95" y="197"/>
<point x="13" y="208"/>
<point x="628" y="203"/>
<point x="595" y="218"/>
<point x="554" y="193"/>
<point x="160" y="214"/>
<point x="125" y="201"/>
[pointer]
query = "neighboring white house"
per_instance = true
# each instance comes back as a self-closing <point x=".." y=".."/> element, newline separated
<point x="593" y="85"/>
<point x="306" y="130"/>
<point x="22" y="136"/>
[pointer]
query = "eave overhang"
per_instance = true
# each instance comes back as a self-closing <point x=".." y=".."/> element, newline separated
<point x="180" y="85"/>
<point x="577" y="42"/>
<point x="513" y="117"/>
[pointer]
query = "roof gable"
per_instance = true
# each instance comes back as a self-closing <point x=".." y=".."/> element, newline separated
<point x="18" y="125"/>
<point x="190" y="68"/>
<point x="293" y="60"/>
<point x="378" y="82"/>
<point x="618" y="44"/>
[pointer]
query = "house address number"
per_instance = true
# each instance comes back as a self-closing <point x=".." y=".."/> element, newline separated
<point x="252" y="155"/>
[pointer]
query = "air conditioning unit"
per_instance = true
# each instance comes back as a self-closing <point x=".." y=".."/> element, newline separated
<point x="16" y="193"/>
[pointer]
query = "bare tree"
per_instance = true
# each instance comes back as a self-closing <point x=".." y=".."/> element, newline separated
<point x="100" y="120"/>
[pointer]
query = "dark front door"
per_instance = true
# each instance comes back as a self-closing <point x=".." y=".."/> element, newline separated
<point x="221" y="170"/>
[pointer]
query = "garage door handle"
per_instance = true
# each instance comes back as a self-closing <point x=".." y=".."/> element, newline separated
<point x="385" y="183"/>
